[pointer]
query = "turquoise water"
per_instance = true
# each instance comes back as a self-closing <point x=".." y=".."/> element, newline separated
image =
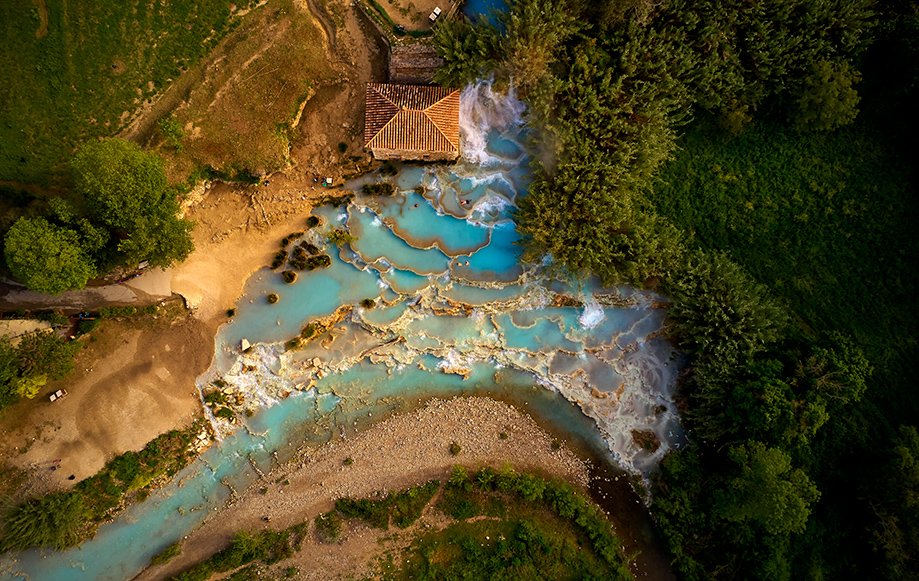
<point x="456" y="313"/>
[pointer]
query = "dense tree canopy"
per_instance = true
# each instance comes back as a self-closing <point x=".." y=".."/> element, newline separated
<point x="774" y="396"/>
<point x="46" y="257"/>
<point x="126" y="192"/>
<point x="121" y="211"/>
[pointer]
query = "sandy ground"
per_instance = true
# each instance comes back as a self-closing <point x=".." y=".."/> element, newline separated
<point x="401" y="451"/>
<point x="136" y="381"/>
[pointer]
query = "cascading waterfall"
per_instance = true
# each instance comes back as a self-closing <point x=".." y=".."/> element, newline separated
<point x="455" y="312"/>
<point x="441" y="262"/>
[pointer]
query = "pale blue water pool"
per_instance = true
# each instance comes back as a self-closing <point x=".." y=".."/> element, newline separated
<point x="455" y="313"/>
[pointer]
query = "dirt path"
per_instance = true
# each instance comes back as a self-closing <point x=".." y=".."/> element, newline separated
<point x="401" y="451"/>
<point x="135" y="381"/>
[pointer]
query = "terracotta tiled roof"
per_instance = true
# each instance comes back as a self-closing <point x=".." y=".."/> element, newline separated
<point x="412" y="118"/>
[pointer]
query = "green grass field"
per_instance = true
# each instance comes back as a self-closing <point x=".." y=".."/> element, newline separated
<point x="826" y="220"/>
<point x="83" y="74"/>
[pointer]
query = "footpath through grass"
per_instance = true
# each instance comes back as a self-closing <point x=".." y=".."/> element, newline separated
<point x="76" y="70"/>
<point x="826" y="220"/>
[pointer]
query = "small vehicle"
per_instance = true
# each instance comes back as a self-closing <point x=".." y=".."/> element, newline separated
<point x="58" y="395"/>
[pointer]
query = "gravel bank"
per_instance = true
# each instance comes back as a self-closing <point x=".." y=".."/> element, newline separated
<point x="400" y="451"/>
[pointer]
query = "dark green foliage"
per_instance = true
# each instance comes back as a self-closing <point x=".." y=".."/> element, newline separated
<point x="378" y="189"/>
<point x="167" y="554"/>
<point x="535" y="32"/>
<point x="828" y="98"/>
<point x="496" y="493"/>
<point x="368" y="303"/>
<point x="407" y="505"/>
<point x="231" y="313"/>
<point x="766" y="490"/>
<point x="61" y="520"/>
<point x="117" y="312"/>
<point x="525" y="548"/>
<point x="373" y="512"/>
<point x="170" y="131"/>
<point x="328" y="527"/>
<point x="26" y="368"/>
<point x="45" y="353"/>
<point x="272" y="298"/>
<point x="54" y="520"/>
<point x="266" y="547"/>
<point x="896" y="534"/>
<point x="289" y="276"/>
<point x="823" y="219"/>
<point x="469" y="51"/>
<point x="403" y="507"/>
<point x="313" y="221"/>
<point x="126" y="192"/>
<point x="45" y="257"/>
<point x="720" y="314"/>
<point x="340" y="236"/>
<point x="225" y="413"/>
<point x="88" y="325"/>
<point x="455" y="449"/>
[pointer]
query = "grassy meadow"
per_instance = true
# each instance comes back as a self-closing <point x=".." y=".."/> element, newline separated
<point x="77" y="70"/>
<point x="827" y="221"/>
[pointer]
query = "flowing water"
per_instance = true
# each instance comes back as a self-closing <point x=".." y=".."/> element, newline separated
<point x="455" y="313"/>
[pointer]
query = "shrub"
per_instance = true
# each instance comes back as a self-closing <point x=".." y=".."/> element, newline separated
<point x="87" y="325"/>
<point x="313" y="221"/>
<point x="54" y="520"/>
<point x="455" y="449"/>
<point x="342" y="147"/>
<point x="408" y="505"/>
<point x="167" y="554"/>
<point x="231" y="313"/>
<point x="373" y="512"/>
<point x="340" y="236"/>
<point x="379" y="189"/>
<point x="289" y="276"/>
<point x="368" y="303"/>
<point x="117" y="312"/>
<point x="328" y="527"/>
<point x="278" y="259"/>
<point x="225" y="413"/>
<point x="272" y="298"/>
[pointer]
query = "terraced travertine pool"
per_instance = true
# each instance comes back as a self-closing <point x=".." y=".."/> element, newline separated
<point x="455" y="312"/>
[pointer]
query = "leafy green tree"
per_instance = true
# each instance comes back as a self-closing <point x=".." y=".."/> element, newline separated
<point x="126" y="192"/>
<point x="469" y="51"/>
<point x="45" y="353"/>
<point x="720" y="314"/>
<point x="837" y="372"/>
<point x="896" y="534"/>
<point x="9" y="371"/>
<point x="45" y="257"/>
<point x="119" y="181"/>
<point x="828" y="99"/>
<point x="535" y="30"/>
<point x="54" y="521"/>
<point x="766" y="490"/>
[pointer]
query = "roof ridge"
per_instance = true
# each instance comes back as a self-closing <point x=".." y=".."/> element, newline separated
<point x="387" y="124"/>
<point x="375" y="87"/>
<point x="434" y="122"/>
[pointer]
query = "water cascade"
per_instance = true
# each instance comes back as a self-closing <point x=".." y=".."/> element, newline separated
<point x="453" y="312"/>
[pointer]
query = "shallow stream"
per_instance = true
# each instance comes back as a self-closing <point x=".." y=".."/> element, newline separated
<point x="454" y="312"/>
